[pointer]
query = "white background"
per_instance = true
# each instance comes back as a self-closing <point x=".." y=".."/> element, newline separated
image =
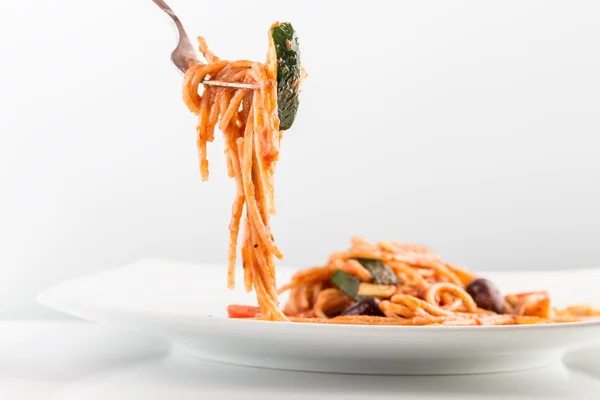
<point x="469" y="126"/>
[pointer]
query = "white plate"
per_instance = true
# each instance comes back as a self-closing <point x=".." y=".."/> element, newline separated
<point x="186" y="305"/>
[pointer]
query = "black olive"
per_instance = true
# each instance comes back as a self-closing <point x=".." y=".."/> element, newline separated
<point x="486" y="295"/>
<point x="366" y="306"/>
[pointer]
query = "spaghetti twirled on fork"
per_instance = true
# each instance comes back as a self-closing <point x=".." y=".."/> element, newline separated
<point x="252" y="122"/>
<point x="250" y="125"/>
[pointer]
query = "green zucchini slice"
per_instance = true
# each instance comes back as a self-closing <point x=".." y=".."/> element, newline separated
<point x="380" y="273"/>
<point x="285" y="50"/>
<point x="347" y="283"/>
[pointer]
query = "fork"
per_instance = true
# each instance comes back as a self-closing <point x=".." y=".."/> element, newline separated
<point x="184" y="55"/>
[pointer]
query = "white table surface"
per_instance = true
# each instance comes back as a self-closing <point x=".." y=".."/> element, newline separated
<point x="84" y="361"/>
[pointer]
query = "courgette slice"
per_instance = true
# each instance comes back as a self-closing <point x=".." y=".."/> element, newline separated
<point x="347" y="283"/>
<point x="380" y="273"/>
<point x="376" y="290"/>
<point x="285" y="51"/>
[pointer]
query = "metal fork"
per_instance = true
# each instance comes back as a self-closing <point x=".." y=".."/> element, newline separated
<point x="185" y="55"/>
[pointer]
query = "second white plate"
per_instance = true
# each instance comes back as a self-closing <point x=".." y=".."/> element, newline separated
<point x="185" y="304"/>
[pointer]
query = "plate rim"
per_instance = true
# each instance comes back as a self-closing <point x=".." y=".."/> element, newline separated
<point x="43" y="299"/>
<point x="51" y="299"/>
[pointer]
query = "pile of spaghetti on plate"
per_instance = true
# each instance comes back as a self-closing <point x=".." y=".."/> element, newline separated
<point x="391" y="283"/>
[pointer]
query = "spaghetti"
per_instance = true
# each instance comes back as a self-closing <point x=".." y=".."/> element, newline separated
<point x="250" y="125"/>
<point x="386" y="283"/>
<point x="391" y="283"/>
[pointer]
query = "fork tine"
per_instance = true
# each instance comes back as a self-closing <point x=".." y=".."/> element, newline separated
<point x="232" y="84"/>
